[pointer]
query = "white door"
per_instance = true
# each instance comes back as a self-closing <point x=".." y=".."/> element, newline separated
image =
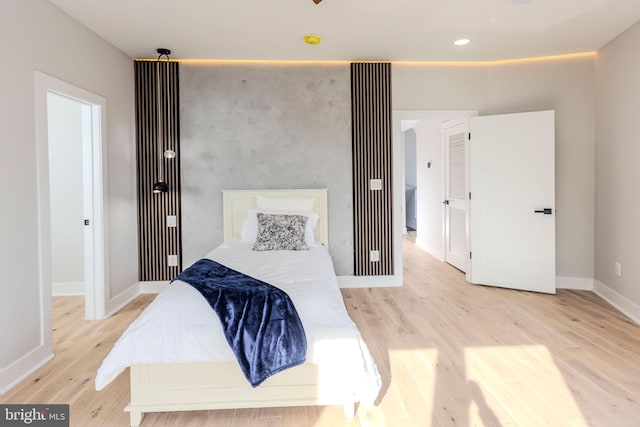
<point x="512" y="206"/>
<point x="456" y="250"/>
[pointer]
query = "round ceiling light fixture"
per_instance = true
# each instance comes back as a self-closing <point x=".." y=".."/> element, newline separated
<point x="312" y="39"/>
<point x="462" y="42"/>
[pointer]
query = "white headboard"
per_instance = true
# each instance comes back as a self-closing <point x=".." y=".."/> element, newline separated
<point x="236" y="202"/>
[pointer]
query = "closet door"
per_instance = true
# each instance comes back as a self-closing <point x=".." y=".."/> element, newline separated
<point x="455" y="203"/>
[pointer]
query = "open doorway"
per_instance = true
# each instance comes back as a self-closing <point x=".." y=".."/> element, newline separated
<point x="69" y="138"/>
<point x="429" y="161"/>
<point x="513" y="150"/>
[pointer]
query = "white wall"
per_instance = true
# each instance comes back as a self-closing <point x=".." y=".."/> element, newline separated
<point x="410" y="177"/>
<point x="430" y="187"/>
<point x="65" y="192"/>
<point x="35" y="35"/>
<point x="564" y="85"/>
<point x="618" y="170"/>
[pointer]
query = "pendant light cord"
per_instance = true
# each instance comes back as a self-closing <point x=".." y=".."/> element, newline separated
<point x="160" y="137"/>
<point x="159" y="122"/>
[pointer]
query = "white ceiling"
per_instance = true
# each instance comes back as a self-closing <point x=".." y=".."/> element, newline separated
<point x="413" y="30"/>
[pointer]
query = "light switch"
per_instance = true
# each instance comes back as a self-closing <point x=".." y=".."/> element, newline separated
<point x="172" y="260"/>
<point x="172" y="221"/>
<point x="375" y="184"/>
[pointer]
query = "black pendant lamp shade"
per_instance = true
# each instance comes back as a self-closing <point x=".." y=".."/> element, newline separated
<point x="160" y="187"/>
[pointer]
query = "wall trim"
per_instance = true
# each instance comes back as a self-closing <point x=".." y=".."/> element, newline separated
<point x="97" y="243"/>
<point x="575" y="283"/>
<point x="619" y="301"/>
<point x="153" y="287"/>
<point x="390" y="281"/>
<point x="67" y="288"/>
<point x="433" y="251"/>
<point x="139" y="288"/>
<point x="16" y="372"/>
<point x="115" y="304"/>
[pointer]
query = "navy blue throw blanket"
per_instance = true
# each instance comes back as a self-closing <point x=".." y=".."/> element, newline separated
<point x="259" y="321"/>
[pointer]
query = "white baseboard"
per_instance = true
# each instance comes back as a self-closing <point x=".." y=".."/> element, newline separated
<point x="575" y="283"/>
<point x="619" y="301"/>
<point x="153" y="287"/>
<point x="124" y="298"/>
<point x="370" y="281"/>
<point x="23" y="367"/>
<point x="59" y="289"/>
<point x="437" y="253"/>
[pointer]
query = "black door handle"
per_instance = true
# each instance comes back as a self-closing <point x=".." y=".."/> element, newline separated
<point x="546" y="211"/>
<point x="446" y="202"/>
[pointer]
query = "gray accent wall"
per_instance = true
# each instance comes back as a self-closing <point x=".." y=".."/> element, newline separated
<point x="258" y="126"/>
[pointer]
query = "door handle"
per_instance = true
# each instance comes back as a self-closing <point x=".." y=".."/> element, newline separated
<point x="446" y="202"/>
<point x="546" y="211"/>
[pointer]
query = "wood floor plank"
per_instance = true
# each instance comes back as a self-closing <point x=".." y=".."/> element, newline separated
<point x="295" y="416"/>
<point x="220" y="418"/>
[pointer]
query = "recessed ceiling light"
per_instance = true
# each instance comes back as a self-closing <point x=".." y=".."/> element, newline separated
<point x="311" y="39"/>
<point x="461" y="42"/>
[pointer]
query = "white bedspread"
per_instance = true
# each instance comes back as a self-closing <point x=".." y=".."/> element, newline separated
<point x="179" y="325"/>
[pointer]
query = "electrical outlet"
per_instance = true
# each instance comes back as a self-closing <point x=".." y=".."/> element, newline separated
<point x="172" y="260"/>
<point x="374" y="256"/>
<point x="172" y="221"/>
<point x="375" y="184"/>
<point x="618" y="267"/>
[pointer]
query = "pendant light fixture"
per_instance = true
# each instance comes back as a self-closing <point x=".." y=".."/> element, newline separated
<point x="160" y="186"/>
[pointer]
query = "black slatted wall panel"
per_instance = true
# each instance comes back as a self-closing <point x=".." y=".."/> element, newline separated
<point x="156" y="241"/>
<point x="371" y="129"/>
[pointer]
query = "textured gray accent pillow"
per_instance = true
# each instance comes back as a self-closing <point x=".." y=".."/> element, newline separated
<point x="280" y="232"/>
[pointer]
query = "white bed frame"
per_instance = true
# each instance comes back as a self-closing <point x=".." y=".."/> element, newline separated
<point x="221" y="385"/>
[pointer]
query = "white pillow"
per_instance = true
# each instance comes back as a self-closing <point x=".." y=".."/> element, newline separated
<point x="249" y="230"/>
<point x="304" y="204"/>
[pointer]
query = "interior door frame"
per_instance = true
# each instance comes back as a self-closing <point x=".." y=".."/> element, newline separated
<point x="94" y="108"/>
<point x="405" y="125"/>
<point x="398" y="164"/>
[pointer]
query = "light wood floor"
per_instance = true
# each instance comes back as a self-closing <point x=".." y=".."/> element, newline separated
<point x="450" y="354"/>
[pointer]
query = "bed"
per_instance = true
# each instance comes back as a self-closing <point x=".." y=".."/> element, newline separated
<point x="179" y="358"/>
